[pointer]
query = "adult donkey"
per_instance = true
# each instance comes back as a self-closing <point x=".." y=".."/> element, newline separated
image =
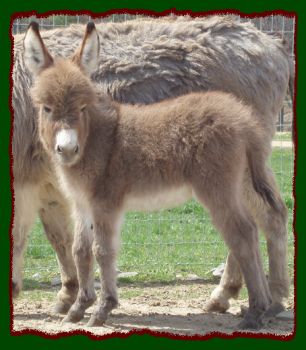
<point x="144" y="62"/>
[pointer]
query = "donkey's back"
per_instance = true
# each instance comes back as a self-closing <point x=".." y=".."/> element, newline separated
<point x="147" y="61"/>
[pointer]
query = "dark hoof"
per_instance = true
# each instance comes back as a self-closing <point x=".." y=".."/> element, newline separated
<point x="101" y="313"/>
<point x="77" y="311"/>
<point x="243" y="310"/>
<point x="250" y="323"/>
<point x="74" y="316"/>
<point x="61" y="308"/>
<point x="15" y="290"/>
<point x="274" y="310"/>
<point x="97" y="320"/>
<point x="216" y="306"/>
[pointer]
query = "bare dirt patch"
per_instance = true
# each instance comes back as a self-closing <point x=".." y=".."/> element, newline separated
<point x="172" y="308"/>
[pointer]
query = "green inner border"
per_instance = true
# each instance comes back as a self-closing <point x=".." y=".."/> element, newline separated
<point x="9" y="8"/>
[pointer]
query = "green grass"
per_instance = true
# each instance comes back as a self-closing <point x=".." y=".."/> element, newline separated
<point x="283" y="136"/>
<point x="161" y="245"/>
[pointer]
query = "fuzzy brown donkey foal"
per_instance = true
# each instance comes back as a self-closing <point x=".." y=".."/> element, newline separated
<point x="111" y="158"/>
<point x="162" y="59"/>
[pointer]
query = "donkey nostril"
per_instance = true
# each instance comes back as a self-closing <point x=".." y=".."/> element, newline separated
<point x="59" y="149"/>
<point x="76" y="150"/>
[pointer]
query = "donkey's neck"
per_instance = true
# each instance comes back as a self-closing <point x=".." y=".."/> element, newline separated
<point x="103" y="122"/>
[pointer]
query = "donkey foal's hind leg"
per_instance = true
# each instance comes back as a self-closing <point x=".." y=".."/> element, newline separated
<point x="274" y="225"/>
<point x="240" y="233"/>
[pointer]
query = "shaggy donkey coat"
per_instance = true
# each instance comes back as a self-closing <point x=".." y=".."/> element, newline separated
<point x="142" y="62"/>
<point x="112" y="157"/>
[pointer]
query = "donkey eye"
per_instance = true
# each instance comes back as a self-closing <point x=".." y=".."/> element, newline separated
<point x="47" y="109"/>
<point x="83" y="108"/>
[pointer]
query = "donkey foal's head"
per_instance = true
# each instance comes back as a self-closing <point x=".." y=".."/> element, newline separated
<point x="62" y="92"/>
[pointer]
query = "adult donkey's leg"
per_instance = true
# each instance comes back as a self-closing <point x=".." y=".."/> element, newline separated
<point x="229" y="286"/>
<point x="26" y="203"/>
<point x="56" y="219"/>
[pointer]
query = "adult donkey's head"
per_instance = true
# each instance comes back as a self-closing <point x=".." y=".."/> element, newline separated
<point x="62" y="92"/>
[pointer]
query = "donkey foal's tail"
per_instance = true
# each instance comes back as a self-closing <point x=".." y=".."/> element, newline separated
<point x="256" y="155"/>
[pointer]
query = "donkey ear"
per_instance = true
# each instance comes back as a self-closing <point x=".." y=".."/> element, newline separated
<point x="87" y="57"/>
<point x="36" y="56"/>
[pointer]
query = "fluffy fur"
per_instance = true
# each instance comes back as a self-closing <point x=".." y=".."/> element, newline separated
<point x="203" y="141"/>
<point x="147" y="61"/>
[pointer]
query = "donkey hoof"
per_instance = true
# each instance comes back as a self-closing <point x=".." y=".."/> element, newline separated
<point x="15" y="289"/>
<point x="274" y="310"/>
<point x="96" y="320"/>
<point x="243" y="310"/>
<point x="61" y="308"/>
<point x="73" y="316"/>
<point x="250" y="323"/>
<point x="215" y="305"/>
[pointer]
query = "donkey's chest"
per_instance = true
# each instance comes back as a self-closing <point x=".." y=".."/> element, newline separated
<point x="158" y="199"/>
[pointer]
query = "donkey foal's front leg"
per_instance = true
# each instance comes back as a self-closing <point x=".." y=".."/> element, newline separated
<point x="83" y="257"/>
<point x="106" y="245"/>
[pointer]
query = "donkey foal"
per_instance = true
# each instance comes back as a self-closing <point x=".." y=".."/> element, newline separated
<point x="162" y="59"/>
<point x="111" y="158"/>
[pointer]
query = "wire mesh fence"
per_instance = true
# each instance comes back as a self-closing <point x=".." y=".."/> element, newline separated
<point x="171" y="242"/>
<point x="281" y="25"/>
<point x="59" y="21"/>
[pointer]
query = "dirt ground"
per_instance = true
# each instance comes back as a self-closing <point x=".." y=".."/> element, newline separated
<point x="172" y="308"/>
